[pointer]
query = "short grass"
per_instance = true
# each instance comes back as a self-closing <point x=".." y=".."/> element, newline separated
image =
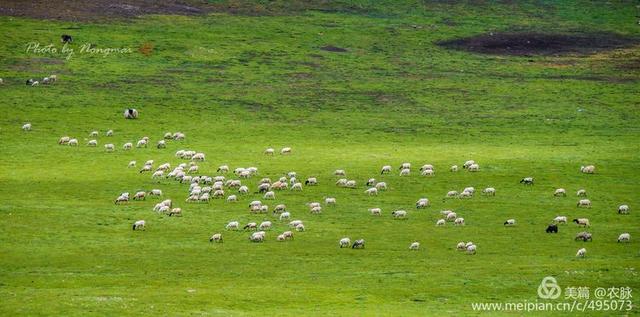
<point x="238" y="84"/>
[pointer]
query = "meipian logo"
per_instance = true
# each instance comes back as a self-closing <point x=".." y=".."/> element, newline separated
<point x="548" y="288"/>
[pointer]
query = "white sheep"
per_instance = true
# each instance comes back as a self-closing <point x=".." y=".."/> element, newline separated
<point x="155" y="193"/>
<point x="287" y="234"/>
<point x="341" y="182"/>
<point x="624" y="237"/>
<point x="279" y="208"/>
<point x="381" y="186"/>
<point x="284" y="215"/>
<point x="193" y="169"/>
<point x="375" y="211"/>
<point x="198" y="157"/>
<point x="109" y="133"/>
<point x="560" y="219"/>
<point x="217" y="237"/>
<point x="292" y="174"/>
<point x="510" y="222"/>
<point x="140" y="224"/>
<point x="350" y="184"/>
<point x="300" y="227"/>
<point x="459" y="222"/>
<point x="451" y="216"/>
<point x="265" y="225"/>
<point x="489" y="191"/>
<point x="280" y="237"/>
<point x="440" y="222"/>
<point x="405" y="172"/>
<point x="330" y="201"/>
<point x="243" y="189"/>
<point x="223" y="169"/>
<point x="473" y="168"/>
<point x="414" y="246"/>
<point x="157" y="174"/>
<point x="581" y="253"/>
<point x="426" y="167"/>
<point x="64" y="140"/>
<point x="371" y="182"/>
<point x="468" y="163"/>
<point x="232" y="198"/>
<point x="452" y="193"/>
<point x="461" y="246"/>
<point x="92" y="143"/>
<point x="218" y="194"/>
<point x="257" y="236"/>
<point x="162" y="144"/>
<point x="428" y="173"/>
<point x="311" y="181"/>
<point x="589" y="169"/>
<point x="130" y="113"/>
<point x="560" y="192"/>
<point x="285" y="150"/>
<point x="584" y="203"/>
<point x="471" y="249"/>
<point x="127" y="146"/>
<point x="316" y="210"/>
<point x="233" y="225"/>
<point x="339" y="173"/>
<point x="581" y="193"/>
<point x="26" y="127"/>
<point x="623" y="209"/>
<point x="294" y="223"/>
<point x="131" y="164"/>
<point x="73" y="142"/>
<point x="454" y="168"/>
<point x="178" y="136"/>
<point x="175" y="212"/>
<point x="582" y="222"/>
<point x="405" y="166"/>
<point x="399" y="214"/>
<point x="385" y="169"/>
<point x="344" y="243"/>
<point x="371" y="191"/>
<point x="296" y="186"/>
<point x="269" y="151"/>
<point x="422" y="203"/>
<point x="269" y="195"/>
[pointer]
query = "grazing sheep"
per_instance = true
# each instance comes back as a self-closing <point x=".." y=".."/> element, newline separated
<point x="527" y="181"/>
<point x="350" y="184"/>
<point x="257" y="236"/>
<point x="311" y="181"/>
<point x="454" y="168"/>
<point x="584" y="203"/>
<point x="465" y="194"/>
<point x="198" y="157"/>
<point x="358" y="244"/>
<point x="294" y="223"/>
<point x="265" y="225"/>
<point x="269" y="195"/>
<point x="204" y="197"/>
<point x="489" y="191"/>
<point x="178" y="136"/>
<point x="461" y="246"/>
<point x="296" y="186"/>
<point x="398" y="214"/>
<point x="560" y="219"/>
<point x="330" y="201"/>
<point x="140" y="224"/>
<point x="422" y="203"/>
<point x="582" y="222"/>
<point x="130" y="113"/>
<point x="405" y="166"/>
<point x="385" y="169"/>
<point x="155" y="193"/>
<point x="440" y="222"/>
<point x="623" y="209"/>
<point x="468" y="163"/>
<point x="344" y="243"/>
<point x="127" y="146"/>
<point x="73" y="142"/>
<point x="26" y="127"/>
<point x="218" y="194"/>
<point x="269" y="151"/>
<point x="371" y="182"/>
<point x="341" y="182"/>
<point x="452" y="194"/>
<point x="381" y="186"/>
<point x="64" y="140"/>
<point x="168" y="136"/>
<point x="371" y="191"/>
<point x="280" y="238"/>
<point x="452" y="216"/>
<point x="581" y="253"/>
<point x="285" y="150"/>
<point x="175" y="212"/>
<point x="339" y="173"/>
<point x="473" y="168"/>
<point x="375" y="211"/>
<point x="584" y="236"/>
<point x="405" y="172"/>
<point x="92" y="143"/>
<point x="292" y="174"/>
<point x="552" y="228"/>
<point x="132" y="164"/>
<point x="459" y="222"/>
<point x="284" y="215"/>
<point x="426" y="167"/>
<point x="251" y="226"/>
<point x="414" y="246"/>
<point x="156" y="174"/>
<point x="288" y="235"/>
<point x="233" y="225"/>
<point x="560" y="192"/>
<point x="244" y="190"/>
<point x="162" y="144"/>
<point x="581" y="193"/>
<point x="122" y="199"/>
<point x="279" y="208"/>
<point x="300" y="227"/>
<point x="232" y="198"/>
<point x="471" y="249"/>
<point x="35" y="83"/>
<point x="140" y="195"/>
<point x="510" y="222"/>
<point x="217" y="237"/>
<point x="109" y="133"/>
<point x="428" y="173"/>
<point x="316" y="210"/>
<point x="624" y="237"/>
<point x="589" y="169"/>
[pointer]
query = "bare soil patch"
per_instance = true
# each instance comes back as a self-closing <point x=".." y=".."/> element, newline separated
<point x="530" y="44"/>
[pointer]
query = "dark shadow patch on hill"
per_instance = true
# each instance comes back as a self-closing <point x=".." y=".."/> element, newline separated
<point x="335" y="49"/>
<point x="531" y="44"/>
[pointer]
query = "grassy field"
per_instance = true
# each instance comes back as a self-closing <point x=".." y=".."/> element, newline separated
<point x="237" y="84"/>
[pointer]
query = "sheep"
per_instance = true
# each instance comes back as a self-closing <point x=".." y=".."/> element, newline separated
<point x="339" y="173"/>
<point x="414" y="246"/>
<point x="232" y="225"/>
<point x="581" y="253"/>
<point x="109" y="133"/>
<point x="175" y="212"/>
<point x="218" y="194"/>
<point x="465" y="194"/>
<point x="405" y="166"/>
<point x="624" y="237"/>
<point x="300" y="227"/>
<point x="73" y="142"/>
<point x="149" y="162"/>
<point x="623" y="209"/>
<point x="560" y="219"/>
<point x="451" y="216"/>
<point x="510" y="222"/>
<point x="232" y="198"/>
<point x="405" y="172"/>
<point x="223" y="169"/>
<point x="552" y="228"/>
<point x="288" y="235"/>
<point x="584" y="236"/>
<point x="560" y="192"/>
<point x="294" y="223"/>
<point x="122" y="199"/>
<point x="35" y="83"/>
<point x="428" y="173"/>
<point x="468" y="163"/>
<point x="311" y="181"/>
<point x="285" y="150"/>
<point x="257" y="236"/>
<point x="344" y="243"/>
<point x="280" y="238"/>
<point x="140" y="195"/>
<point x="385" y="169"/>
<point x="527" y="181"/>
<point x="216" y="237"/>
<point x="471" y="249"/>
<point x="489" y="191"/>
<point x="473" y="168"/>
<point x="279" y="208"/>
<point x="255" y="203"/>
<point x="156" y="174"/>
<point x="26" y="127"/>
<point x="316" y="210"/>
<point x="205" y="197"/>
<point x="168" y="136"/>
<point x="350" y="184"/>
<point x="358" y="244"/>
<point x="130" y="113"/>
<point x="589" y="169"/>
<point x="155" y="193"/>
<point x="296" y="186"/>
<point x="381" y="186"/>
<point x="422" y="203"/>
<point x="269" y="195"/>
<point x="269" y="151"/>
<point x="582" y="222"/>
<point x="398" y="214"/>
<point x="178" y="136"/>
<point x="162" y="167"/>
<point x="375" y="211"/>
<point x="330" y="201"/>
<point x="581" y="193"/>
<point x="371" y="182"/>
<point x="192" y="198"/>
<point x="440" y="222"/>
<point x="459" y="222"/>
<point x="131" y="164"/>
<point x="140" y="224"/>
<point x="127" y="146"/>
<point x="452" y="193"/>
<point x="92" y="143"/>
<point x="461" y="246"/>
<point x="162" y="144"/>
<point x="292" y="174"/>
<point x="251" y="226"/>
<point x="371" y="191"/>
<point x="198" y="157"/>
<point x="284" y="215"/>
<point x="454" y="168"/>
<point x="193" y="169"/>
<point x="243" y="190"/>
<point x="265" y="225"/>
<point x="584" y="203"/>
<point x="426" y="167"/>
<point x="64" y="140"/>
<point x="167" y="202"/>
<point x="313" y="204"/>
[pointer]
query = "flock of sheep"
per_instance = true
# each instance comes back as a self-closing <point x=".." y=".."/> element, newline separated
<point x="203" y="188"/>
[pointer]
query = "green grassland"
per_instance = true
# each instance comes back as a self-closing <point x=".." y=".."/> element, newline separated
<point x="237" y="84"/>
